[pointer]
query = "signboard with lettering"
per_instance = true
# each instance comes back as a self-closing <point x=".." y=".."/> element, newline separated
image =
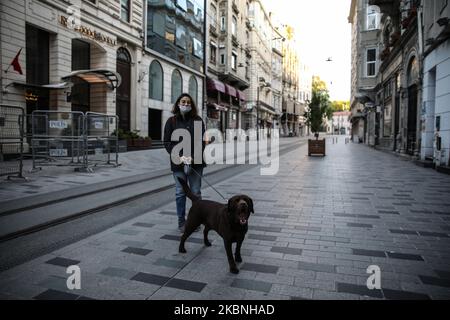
<point x="88" y="32"/>
<point x="58" y="124"/>
<point x="58" y="152"/>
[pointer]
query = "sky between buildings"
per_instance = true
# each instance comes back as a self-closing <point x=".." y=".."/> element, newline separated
<point x="322" y="31"/>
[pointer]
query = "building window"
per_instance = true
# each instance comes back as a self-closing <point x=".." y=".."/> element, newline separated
<point x="223" y="26"/>
<point x="176" y="30"/>
<point x="156" y="81"/>
<point x="37" y="55"/>
<point x="234" y="26"/>
<point x="372" y="18"/>
<point x="159" y="25"/>
<point x="193" y="87"/>
<point x="234" y="60"/>
<point x="181" y="36"/>
<point x="125" y="10"/>
<point x="371" y="62"/>
<point x="213" y="15"/>
<point x="213" y="53"/>
<point x="177" y="85"/>
<point x="222" y="58"/>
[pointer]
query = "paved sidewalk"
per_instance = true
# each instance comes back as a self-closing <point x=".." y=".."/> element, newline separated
<point x="319" y="223"/>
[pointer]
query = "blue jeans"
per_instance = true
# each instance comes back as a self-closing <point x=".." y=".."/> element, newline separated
<point x="195" y="183"/>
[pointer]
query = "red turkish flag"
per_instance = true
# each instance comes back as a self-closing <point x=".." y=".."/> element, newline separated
<point x="15" y="63"/>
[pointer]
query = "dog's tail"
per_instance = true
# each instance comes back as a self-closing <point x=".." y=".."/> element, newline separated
<point x="187" y="190"/>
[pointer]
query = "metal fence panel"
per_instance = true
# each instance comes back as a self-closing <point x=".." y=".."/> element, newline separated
<point x="101" y="139"/>
<point x="11" y="140"/>
<point x="57" y="138"/>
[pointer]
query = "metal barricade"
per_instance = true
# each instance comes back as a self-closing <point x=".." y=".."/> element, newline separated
<point x="101" y="139"/>
<point x="57" y="138"/>
<point x="11" y="141"/>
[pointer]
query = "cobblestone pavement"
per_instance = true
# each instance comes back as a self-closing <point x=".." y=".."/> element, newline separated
<point x="318" y="225"/>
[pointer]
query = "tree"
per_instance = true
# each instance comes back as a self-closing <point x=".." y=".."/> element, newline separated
<point x="339" y="105"/>
<point x="319" y="106"/>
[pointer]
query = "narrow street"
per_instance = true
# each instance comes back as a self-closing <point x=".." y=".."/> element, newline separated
<point x="318" y="225"/>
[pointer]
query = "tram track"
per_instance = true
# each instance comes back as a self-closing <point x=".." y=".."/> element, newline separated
<point x="128" y="189"/>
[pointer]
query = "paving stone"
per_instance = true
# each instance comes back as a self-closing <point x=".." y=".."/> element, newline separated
<point x="252" y="285"/>
<point x="259" y="268"/>
<point x="316" y="267"/>
<point x="357" y="289"/>
<point x="287" y="250"/>
<point x="262" y="237"/>
<point x="404" y="256"/>
<point x="117" y="272"/>
<point x="435" y="281"/>
<point x="56" y="295"/>
<point x="63" y="262"/>
<point x="138" y="251"/>
<point x="186" y="285"/>
<point x="150" y="278"/>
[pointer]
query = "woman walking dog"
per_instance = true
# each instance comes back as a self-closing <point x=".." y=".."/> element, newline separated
<point x="190" y="168"/>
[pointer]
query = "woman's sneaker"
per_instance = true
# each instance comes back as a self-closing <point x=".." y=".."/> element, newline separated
<point x="181" y="227"/>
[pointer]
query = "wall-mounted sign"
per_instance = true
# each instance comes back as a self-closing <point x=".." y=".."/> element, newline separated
<point x="88" y="32"/>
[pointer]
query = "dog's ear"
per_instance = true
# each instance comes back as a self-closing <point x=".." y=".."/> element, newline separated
<point x="249" y="203"/>
<point x="232" y="204"/>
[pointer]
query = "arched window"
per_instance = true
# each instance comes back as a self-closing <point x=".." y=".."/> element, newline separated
<point x="123" y="55"/>
<point x="177" y="85"/>
<point x="413" y="72"/>
<point x="193" y="88"/>
<point x="156" y="81"/>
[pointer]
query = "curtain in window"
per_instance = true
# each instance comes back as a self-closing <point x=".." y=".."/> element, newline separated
<point x="156" y="81"/>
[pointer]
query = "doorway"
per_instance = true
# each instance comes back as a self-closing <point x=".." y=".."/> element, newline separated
<point x="124" y="90"/>
<point x="154" y="124"/>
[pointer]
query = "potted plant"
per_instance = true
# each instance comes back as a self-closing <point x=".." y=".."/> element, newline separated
<point x="319" y="108"/>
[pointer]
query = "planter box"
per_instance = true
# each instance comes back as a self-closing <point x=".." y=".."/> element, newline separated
<point x="139" y="144"/>
<point x="316" y="147"/>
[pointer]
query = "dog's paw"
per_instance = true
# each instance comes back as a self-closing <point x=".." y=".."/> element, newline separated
<point x="207" y="243"/>
<point x="234" y="270"/>
<point x="238" y="259"/>
<point x="182" y="250"/>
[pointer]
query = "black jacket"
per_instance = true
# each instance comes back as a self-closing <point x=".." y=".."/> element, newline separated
<point x="178" y="122"/>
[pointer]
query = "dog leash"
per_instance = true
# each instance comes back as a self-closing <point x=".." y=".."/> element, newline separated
<point x="201" y="177"/>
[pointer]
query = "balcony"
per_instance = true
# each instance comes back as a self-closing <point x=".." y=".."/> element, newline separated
<point x="234" y="41"/>
<point x="213" y="30"/>
<point x="235" y="8"/>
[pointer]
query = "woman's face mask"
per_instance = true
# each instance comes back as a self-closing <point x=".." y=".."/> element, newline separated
<point x="185" y="105"/>
<point x="184" y="108"/>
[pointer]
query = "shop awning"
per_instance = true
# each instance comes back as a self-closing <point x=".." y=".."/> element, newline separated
<point x="215" y="85"/>
<point x="62" y="85"/>
<point x="241" y="95"/>
<point x="94" y="76"/>
<point x="231" y="91"/>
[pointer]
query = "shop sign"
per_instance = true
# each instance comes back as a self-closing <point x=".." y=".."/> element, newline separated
<point x="88" y="32"/>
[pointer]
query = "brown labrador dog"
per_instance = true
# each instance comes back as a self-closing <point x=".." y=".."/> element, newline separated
<point x="230" y="221"/>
